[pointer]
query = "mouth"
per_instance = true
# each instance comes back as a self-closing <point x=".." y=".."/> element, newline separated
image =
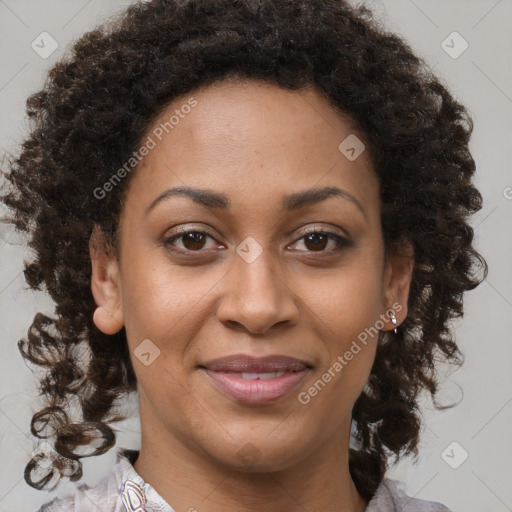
<point x="251" y="380"/>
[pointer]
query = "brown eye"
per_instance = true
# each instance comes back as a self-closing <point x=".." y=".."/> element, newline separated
<point x="314" y="240"/>
<point x="191" y="240"/>
<point x="317" y="241"/>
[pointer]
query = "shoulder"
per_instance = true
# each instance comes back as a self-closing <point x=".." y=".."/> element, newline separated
<point x="86" y="499"/>
<point x="105" y="496"/>
<point x="59" y="505"/>
<point x="391" y="497"/>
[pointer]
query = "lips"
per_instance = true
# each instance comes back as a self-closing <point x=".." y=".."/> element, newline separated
<point x="251" y="380"/>
<point x="241" y="363"/>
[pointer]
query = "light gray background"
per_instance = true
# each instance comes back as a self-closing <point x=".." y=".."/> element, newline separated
<point x="481" y="78"/>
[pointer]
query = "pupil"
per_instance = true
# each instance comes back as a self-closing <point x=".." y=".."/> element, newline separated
<point x="194" y="238"/>
<point x="197" y="240"/>
<point x="314" y="237"/>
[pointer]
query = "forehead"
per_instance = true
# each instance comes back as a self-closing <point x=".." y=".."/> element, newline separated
<point x="253" y="142"/>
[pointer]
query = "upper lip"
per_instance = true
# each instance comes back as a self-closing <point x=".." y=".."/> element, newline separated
<point x="248" y="364"/>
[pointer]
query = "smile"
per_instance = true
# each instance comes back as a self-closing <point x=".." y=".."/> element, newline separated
<point x="251" y="380"/>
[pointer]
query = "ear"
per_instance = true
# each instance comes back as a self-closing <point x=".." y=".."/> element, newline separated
<point x="105" y="284"/>
<point x="397" y="282"/>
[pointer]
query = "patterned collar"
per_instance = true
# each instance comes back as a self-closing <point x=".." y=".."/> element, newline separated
<point x="122" y="490"/>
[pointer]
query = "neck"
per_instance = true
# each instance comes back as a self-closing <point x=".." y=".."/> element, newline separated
<point x="190" y="481"/>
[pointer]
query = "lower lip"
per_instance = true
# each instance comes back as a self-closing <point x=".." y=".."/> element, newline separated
<point x="258" y="391"/>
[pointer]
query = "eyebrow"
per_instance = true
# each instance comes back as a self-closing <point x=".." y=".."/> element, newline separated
<point x="291" y="202"/>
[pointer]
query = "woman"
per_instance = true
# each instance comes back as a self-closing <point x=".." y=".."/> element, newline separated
<point x="253" y="214"/>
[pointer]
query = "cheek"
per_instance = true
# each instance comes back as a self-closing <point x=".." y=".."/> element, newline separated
<point x="346" y="324"/>
<point x="347" y="301"/>
<point x="164" y="303"/>
<point x="160" y="305"/>
<point x="347" y="309"/>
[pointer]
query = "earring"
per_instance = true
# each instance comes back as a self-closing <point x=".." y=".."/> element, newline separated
<point x="393" y="319"/>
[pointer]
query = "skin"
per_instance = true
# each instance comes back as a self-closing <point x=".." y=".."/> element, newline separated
<point x="255" y="143"/>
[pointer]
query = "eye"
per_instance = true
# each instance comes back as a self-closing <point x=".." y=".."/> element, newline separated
<point x="192" y="240"/>
<point x="316" y="240"/>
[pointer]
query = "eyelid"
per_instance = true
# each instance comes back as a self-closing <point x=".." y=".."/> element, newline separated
<point x="192" y="228"/>
<point x="200" y="228"/>
<point x="324" y="229"/>
<point x="342" y="240"/>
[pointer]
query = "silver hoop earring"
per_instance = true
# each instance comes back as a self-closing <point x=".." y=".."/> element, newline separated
<point x="393" y="319"/>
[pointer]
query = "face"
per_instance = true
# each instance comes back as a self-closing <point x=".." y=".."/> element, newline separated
<point x="239" y="299"/>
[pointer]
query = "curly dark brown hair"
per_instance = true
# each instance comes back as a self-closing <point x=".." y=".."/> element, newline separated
<point x="97" y="104"/>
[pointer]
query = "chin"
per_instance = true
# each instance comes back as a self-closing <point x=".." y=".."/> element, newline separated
<point x="258" y="455"/>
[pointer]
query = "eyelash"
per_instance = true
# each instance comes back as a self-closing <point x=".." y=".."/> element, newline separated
<point x="341" y="241"/>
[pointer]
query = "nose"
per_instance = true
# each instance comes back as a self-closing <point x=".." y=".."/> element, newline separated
<point x="255" y="296"/>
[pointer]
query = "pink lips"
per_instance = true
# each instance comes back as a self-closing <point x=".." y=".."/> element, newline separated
<point x="253" y="380"/>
